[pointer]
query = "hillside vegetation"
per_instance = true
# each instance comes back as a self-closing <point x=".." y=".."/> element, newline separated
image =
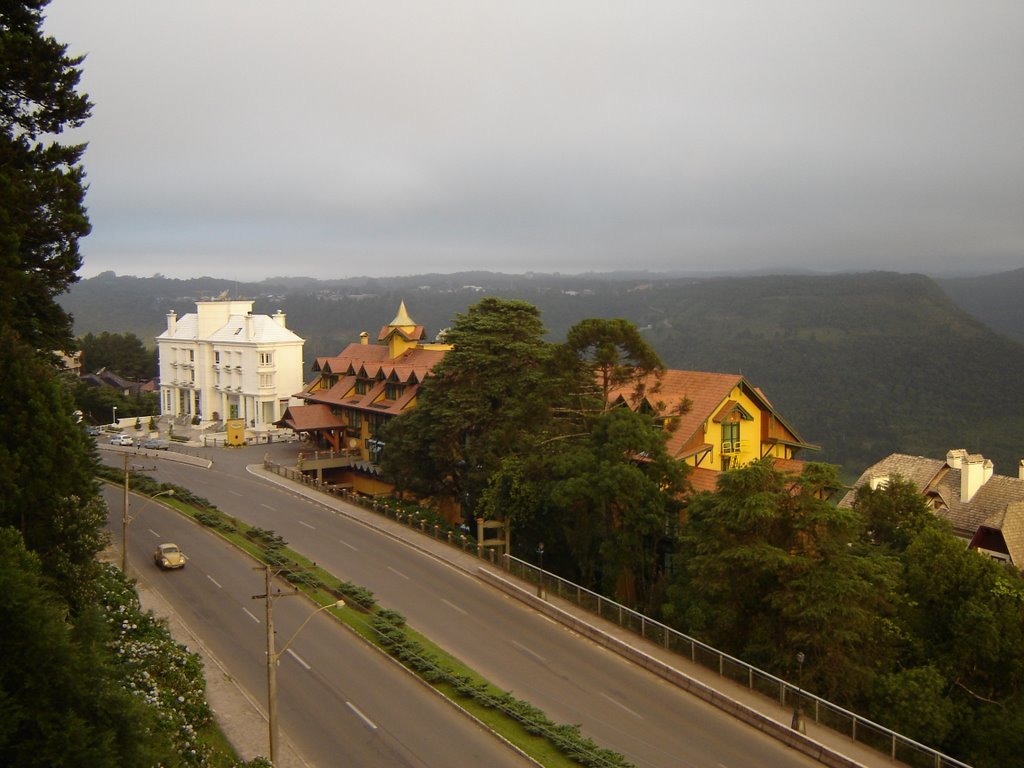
<point x="861" y="364"/>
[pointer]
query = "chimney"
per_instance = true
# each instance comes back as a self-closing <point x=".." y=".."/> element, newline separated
<point x="279" y="318"/>
<point x="249" y="325"/>
<point x="364" y="338"/>
<point x="955" y="457"/>
<point x="172" y="322"/>
<point x="976" y="470"/>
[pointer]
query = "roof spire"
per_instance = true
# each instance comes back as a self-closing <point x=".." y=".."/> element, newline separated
<point x="402" y="318"/>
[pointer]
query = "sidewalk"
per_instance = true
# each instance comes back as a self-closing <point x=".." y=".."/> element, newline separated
<point x="832" y="748"/>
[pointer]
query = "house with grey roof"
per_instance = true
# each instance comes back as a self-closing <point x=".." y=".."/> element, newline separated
<point x="224" y="362"/>
<point x="984" y="509"/>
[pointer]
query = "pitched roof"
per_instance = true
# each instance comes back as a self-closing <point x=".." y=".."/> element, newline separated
<point x="997" y="504"/>
<point x="372" y="359"/>
<point x="265" y="330"/>
<point x="666" y="390"/>
<point x="303" y="418"/>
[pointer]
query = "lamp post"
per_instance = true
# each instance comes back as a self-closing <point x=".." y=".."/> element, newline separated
<point x="798" y="723"/>
<point x="540" y="575"/>
<point x="125" y="519"/>
<point x="274" y="656"/>
<point x="114" y="422"/>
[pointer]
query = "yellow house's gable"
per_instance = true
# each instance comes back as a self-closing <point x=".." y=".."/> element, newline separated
<point x="729" y="422"/>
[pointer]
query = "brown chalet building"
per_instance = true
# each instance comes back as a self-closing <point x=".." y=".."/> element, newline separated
<point x="353" y="396"/>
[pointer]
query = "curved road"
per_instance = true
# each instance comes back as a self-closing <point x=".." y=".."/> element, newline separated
<point x="339" y="701"/>
<point x="619" y="705"/>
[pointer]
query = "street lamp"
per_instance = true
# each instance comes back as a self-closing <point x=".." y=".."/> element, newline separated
<point x="798" y="723"/>
<point x="273" y="657"/>
<point x="125" y="519"/>
<point x="540" y="575"/>
<point x="114" y="422"/>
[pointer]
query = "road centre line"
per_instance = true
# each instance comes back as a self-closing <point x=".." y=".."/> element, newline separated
<point x="360" y="715"/>
<point x="214" y="581"/>
<point x="250" y="615"/>
<point x="298" y="658"/>
<point x="154" y="533"/>
<point x="637" y="715"/>
<point x="454" y="607"/>
<point x="342" y="541"/>
<point x="524" y="649"/>
<point x="272" y="509"/>
<point x="311" y="527"/>
<point x="397" y="573"/>
<point x="236" y="493"/>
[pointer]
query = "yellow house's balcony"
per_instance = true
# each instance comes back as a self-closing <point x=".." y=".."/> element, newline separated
<point x="731" y="447"/>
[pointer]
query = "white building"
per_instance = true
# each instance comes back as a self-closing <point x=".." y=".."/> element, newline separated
<point x="224" y="362"/>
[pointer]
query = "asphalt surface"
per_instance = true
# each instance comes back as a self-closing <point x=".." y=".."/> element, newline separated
<point x="339" y="700"/>
<point x="619" y="705"/>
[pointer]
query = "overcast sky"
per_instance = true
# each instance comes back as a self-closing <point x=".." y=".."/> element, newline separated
<point x="327" y="138"/>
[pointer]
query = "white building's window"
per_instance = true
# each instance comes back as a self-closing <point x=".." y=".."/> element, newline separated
<point x="216" y="358"/>
<point x="266" y="379"/>
<point x="191" y="355"/>
<point x="266" y="358"/>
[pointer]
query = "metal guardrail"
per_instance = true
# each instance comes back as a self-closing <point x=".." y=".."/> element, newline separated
<point x="884" y="740"/>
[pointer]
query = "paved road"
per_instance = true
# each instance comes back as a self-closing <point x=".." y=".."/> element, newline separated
<point x="617" y="704"/>
<point x="340" y="702"/>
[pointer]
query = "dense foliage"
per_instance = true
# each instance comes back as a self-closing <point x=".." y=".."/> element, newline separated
<point x="123" y="353"/>
<point x="895" y="617"/>
<point x="42" y="214"/>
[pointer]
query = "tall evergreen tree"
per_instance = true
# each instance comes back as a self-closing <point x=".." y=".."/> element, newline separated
<point x="42" y="213"/>
<point x="485" y="401"/>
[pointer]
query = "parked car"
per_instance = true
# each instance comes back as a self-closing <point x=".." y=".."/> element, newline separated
<point x="156" y="444"/>
<point x="94" y="431"/>
<point x="168" y="556"/>
<point x="122" y="440"/>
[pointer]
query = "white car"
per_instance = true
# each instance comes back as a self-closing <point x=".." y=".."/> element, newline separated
<point x="122" y="440"/>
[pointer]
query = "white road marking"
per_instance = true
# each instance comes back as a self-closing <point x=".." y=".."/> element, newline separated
<point x="524" y="649"/>
<point x="360" y="715"/>
<point x="214" y="581"/>
<point x="298" y="658"/>
<point x="268" y="507"/>
<point x="454" y="607"/>
<point x="312" y="528"/>
<point x="342" y="541"/>
<point x="235" y="492"/>
<point x="250" y="615"/>
<point x="154" y="533"/>
<point x="620" y="704"/>
<point x="397" y="573"/>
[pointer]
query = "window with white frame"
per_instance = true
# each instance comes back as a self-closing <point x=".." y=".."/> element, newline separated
<point x="266" y="379"/>
<point x="266" y="358"/>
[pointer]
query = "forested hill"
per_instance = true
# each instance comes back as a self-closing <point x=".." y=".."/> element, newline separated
<point x="861" y="364"/>
<point x="996" y="300"/>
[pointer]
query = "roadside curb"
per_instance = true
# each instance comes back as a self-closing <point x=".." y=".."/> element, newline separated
<point x="473" y="567"/>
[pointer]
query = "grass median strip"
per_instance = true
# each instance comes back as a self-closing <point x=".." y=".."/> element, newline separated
<point x="518" y="721"/>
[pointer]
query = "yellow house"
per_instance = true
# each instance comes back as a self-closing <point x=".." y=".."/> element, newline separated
<point x="357" y="391"/>
<point x="729" y="422"/>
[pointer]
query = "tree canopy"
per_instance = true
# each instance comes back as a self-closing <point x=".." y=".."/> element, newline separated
<point x="42" y="191"/>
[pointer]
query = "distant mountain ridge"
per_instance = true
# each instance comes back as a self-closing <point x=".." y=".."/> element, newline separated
<point x="862" y="364"/>
<point x="996" y="300"/>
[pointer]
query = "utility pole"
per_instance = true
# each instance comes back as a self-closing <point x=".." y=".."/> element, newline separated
<point x="272" y="657"/>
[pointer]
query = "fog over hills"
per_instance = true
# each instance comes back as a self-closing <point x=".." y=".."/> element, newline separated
<point x="861" y="364"/>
